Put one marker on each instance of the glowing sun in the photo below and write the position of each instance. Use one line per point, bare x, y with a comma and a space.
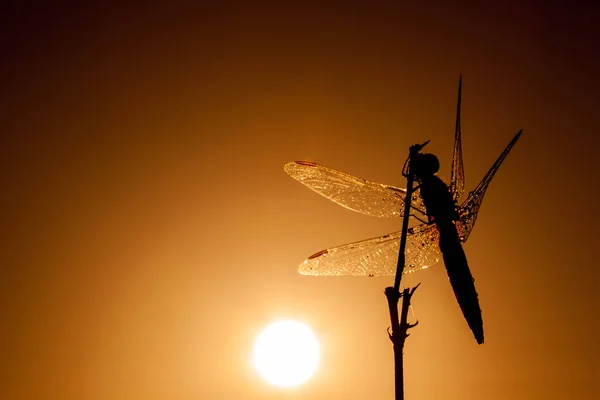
286, 353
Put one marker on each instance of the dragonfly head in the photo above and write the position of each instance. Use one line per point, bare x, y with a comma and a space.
425, 165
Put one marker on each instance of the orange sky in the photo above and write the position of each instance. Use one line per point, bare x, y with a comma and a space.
151, 231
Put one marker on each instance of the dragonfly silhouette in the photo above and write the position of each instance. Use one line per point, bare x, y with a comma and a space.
445, 224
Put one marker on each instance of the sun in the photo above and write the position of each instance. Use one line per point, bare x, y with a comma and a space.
286, 353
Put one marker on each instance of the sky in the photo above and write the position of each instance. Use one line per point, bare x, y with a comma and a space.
150, 231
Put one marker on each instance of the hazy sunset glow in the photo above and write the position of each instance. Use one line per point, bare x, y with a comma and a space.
151, 233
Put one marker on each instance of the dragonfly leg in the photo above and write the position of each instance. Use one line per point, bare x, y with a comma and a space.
422, 220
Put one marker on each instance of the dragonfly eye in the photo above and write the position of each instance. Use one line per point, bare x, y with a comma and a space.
425, 164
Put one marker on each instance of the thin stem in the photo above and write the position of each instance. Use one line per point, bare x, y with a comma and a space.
401, 326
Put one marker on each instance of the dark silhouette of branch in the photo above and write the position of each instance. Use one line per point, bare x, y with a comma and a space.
399, 331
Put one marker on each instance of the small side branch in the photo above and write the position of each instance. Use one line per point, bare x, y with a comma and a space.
399, 323
404, 324
399, 331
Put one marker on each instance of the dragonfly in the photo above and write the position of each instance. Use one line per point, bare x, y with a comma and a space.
378, 256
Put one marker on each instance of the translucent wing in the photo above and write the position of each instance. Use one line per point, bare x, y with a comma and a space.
469, 209
457, 173
356, 194
377, 256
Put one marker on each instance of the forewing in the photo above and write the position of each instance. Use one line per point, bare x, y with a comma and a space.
457, 173
356, 194
376, 256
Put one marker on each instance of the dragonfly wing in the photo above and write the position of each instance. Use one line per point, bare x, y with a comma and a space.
457, 173
376, 256
356, 194
469, 209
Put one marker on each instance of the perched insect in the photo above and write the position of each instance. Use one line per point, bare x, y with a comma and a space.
445, 224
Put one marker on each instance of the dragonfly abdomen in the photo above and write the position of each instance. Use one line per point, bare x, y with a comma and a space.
461, 280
